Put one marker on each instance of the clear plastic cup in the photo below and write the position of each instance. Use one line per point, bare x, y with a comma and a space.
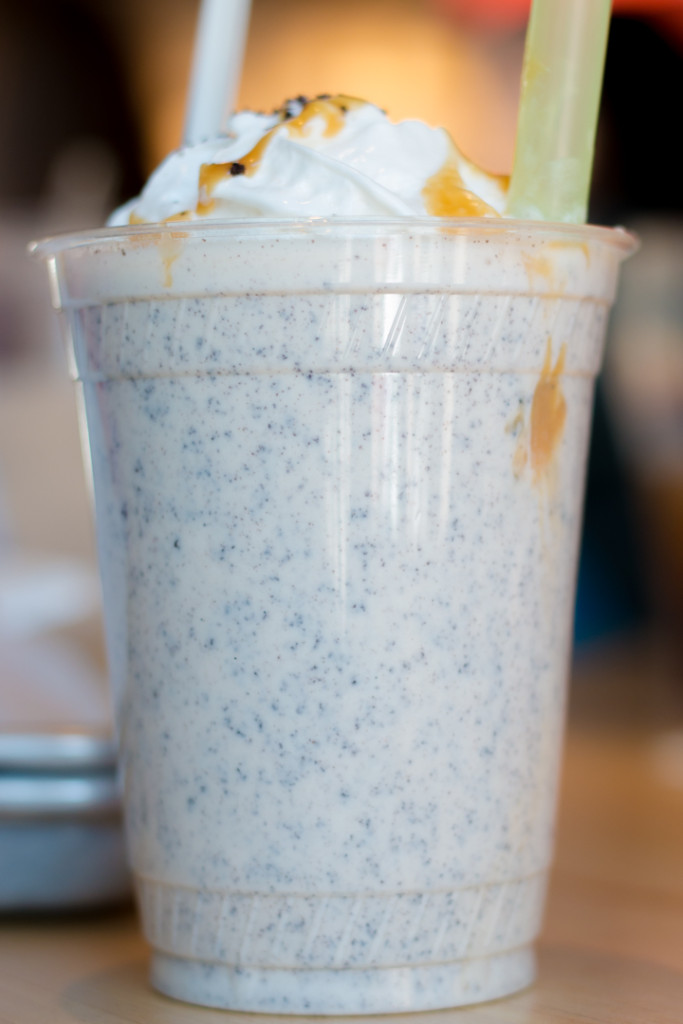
338, 472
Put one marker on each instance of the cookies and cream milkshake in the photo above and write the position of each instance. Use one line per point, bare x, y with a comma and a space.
338, 446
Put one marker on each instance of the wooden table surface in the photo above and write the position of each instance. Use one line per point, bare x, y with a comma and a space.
612, 949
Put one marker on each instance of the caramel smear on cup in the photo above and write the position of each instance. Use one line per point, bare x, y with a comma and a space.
545, 266
539, 266
548, 412
170, 252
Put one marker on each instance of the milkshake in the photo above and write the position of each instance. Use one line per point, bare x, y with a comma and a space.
338, 453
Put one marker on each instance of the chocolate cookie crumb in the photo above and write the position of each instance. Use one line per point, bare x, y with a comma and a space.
292, 108
236, 168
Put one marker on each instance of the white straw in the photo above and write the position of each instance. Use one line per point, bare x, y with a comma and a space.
216, 67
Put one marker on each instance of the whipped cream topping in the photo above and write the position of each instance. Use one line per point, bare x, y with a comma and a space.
327, 157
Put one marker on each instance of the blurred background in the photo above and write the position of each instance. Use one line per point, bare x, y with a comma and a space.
92, 97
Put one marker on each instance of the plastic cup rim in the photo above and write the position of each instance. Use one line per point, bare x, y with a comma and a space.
617, 237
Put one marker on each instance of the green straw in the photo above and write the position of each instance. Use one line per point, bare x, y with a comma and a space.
564, 58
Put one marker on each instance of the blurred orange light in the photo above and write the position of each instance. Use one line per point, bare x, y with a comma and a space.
511, 13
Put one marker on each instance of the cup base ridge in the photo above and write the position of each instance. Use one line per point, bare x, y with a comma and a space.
271, 933
349, 991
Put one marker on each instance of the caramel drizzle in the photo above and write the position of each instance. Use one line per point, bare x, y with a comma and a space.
332, 111
445, 194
